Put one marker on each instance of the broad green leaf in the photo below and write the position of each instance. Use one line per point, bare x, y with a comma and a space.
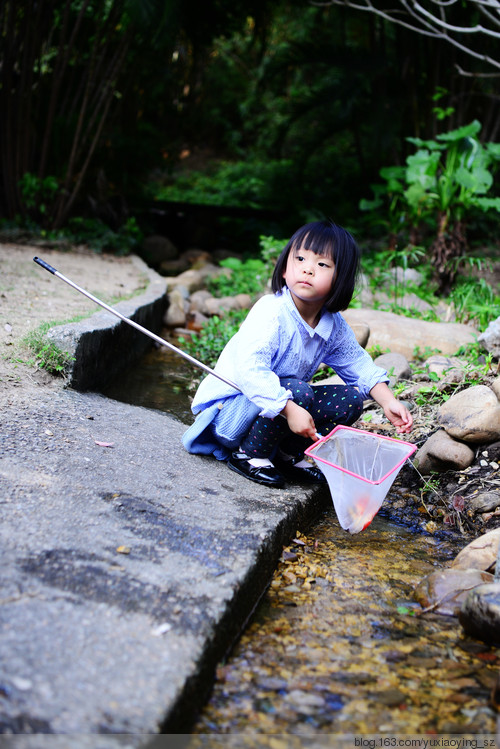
493, 150
422, 163
433, 145
488, 204
416, 195
462, 132
478, 180
392, 172
370, 205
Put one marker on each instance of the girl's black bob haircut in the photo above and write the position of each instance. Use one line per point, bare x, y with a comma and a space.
325, 238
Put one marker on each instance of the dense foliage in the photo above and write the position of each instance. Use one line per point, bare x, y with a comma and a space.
297, 106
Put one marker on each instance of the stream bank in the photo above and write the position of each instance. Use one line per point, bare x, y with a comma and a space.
129, 567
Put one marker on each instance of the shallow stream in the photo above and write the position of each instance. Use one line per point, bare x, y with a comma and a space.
337, 645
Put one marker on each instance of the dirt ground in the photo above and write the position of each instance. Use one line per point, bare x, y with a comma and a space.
30, 296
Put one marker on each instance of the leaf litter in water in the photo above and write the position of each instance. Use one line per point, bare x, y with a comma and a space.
338, 645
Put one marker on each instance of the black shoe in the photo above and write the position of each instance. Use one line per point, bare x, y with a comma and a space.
267, 475
300, 474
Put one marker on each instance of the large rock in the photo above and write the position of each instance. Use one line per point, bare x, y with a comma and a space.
156, 249
396, 366
442, 453
495, 386
484, 502
403, 334
444, 591
175, 315
490, 338
472, 415
448, 369
480, 613
480, 554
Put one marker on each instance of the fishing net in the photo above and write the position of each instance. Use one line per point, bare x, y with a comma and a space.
360, 468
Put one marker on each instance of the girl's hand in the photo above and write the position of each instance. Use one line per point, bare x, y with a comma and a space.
299, 420
399, 416
395, 411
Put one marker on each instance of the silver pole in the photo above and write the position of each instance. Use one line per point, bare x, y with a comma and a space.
136, 325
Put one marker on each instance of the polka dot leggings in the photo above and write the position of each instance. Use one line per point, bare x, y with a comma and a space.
329, 405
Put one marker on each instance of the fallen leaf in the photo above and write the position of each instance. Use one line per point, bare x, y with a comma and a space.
123, 549
104, 444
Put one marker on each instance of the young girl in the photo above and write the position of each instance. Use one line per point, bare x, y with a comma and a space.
263, 430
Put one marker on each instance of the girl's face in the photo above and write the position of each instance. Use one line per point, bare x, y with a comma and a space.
309, 276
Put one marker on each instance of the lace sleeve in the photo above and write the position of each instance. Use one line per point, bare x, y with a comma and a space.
351, 362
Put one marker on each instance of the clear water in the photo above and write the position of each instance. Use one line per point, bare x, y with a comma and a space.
161, 380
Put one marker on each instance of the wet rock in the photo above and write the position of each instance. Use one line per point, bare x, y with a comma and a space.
396, 365
480, 613
272, 684
389, 697
442, 453
480, 554
472, 415
445, 590
304, 701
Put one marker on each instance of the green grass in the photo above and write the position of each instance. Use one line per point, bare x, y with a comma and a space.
46, 354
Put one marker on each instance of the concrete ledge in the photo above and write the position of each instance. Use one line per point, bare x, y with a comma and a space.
127, 571
102, 345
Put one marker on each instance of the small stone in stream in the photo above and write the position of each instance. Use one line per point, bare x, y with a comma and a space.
389, 697
272, 684
394, 656
304, 701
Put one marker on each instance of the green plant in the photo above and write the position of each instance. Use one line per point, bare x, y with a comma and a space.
247, 277
474, 300
270, 249
47, 355
250, 184
38, 194
443, 183
208, 344
100, 237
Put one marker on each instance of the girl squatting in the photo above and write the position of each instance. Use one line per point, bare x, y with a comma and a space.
263, 430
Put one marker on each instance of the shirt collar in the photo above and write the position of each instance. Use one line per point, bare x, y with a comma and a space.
325, 325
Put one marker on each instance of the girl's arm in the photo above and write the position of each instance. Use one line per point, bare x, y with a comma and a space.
396, 412
299, 420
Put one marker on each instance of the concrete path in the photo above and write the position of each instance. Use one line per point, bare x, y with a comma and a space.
128, 567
